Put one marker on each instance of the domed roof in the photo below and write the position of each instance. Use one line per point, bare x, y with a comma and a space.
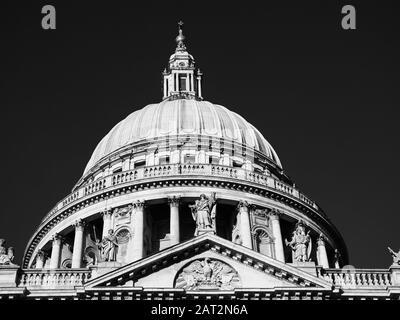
182, 117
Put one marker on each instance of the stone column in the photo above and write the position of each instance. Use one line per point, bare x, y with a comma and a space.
201, 157
78, 244
199, 83
138, 250
247, 165
187, 82
175, 156
245, 231
56, 252
174, 232
191, 82
165, 87
225, 160
322, 257
276, 232
106, 221
176, 85
40, 257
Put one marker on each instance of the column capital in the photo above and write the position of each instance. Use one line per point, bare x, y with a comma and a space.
252, 207
57, 238
106, 213
321, 240
174, 201
80, 224
243, 205
274, 214
40, 254
139, 204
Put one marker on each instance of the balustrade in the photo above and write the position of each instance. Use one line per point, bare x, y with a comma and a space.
355, 278
177, 170
95, 186
53, 278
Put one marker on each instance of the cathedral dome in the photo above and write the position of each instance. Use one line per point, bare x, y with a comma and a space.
140, 186
182, 117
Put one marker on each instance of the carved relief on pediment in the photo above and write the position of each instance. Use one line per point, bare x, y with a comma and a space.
207, 274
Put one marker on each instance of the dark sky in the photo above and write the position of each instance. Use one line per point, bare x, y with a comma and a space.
326, 99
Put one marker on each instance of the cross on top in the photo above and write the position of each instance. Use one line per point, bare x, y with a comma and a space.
180, 24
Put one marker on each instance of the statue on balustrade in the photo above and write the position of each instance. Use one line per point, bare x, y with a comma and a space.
203, 212
109, 246
6, 255
300, 244
336, 258
395, 256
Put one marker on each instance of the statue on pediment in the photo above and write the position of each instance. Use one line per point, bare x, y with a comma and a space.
203, 212
395, 256
300, 244
6, 255
206, 274
109, 246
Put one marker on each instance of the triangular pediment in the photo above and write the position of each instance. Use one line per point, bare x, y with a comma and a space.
255, 270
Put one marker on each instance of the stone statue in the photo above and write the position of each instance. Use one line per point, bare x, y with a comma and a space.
300, 244
108, 247
6, 255
203, 213
395, 255
206, 274
337, 256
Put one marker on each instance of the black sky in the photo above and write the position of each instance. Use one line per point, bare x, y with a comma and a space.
325, 98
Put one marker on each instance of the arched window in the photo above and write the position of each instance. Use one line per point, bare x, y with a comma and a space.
123, 237
263, 242
91, 256
66, 264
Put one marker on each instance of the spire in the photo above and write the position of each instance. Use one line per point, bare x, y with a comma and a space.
181, 79
179, 39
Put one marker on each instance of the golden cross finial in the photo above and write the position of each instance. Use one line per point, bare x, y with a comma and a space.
179, 39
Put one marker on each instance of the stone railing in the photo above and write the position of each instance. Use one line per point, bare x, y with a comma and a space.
70, 198
357, 278
172, 170
42, 278
95, 186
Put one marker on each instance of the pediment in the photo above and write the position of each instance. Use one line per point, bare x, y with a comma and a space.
234, 265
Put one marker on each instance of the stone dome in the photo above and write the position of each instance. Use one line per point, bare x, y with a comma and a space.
182, 117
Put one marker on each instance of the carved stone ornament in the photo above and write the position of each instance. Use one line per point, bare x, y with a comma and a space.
174, 201
395, 256
207, 274
124, 211
261, 213
6, 255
